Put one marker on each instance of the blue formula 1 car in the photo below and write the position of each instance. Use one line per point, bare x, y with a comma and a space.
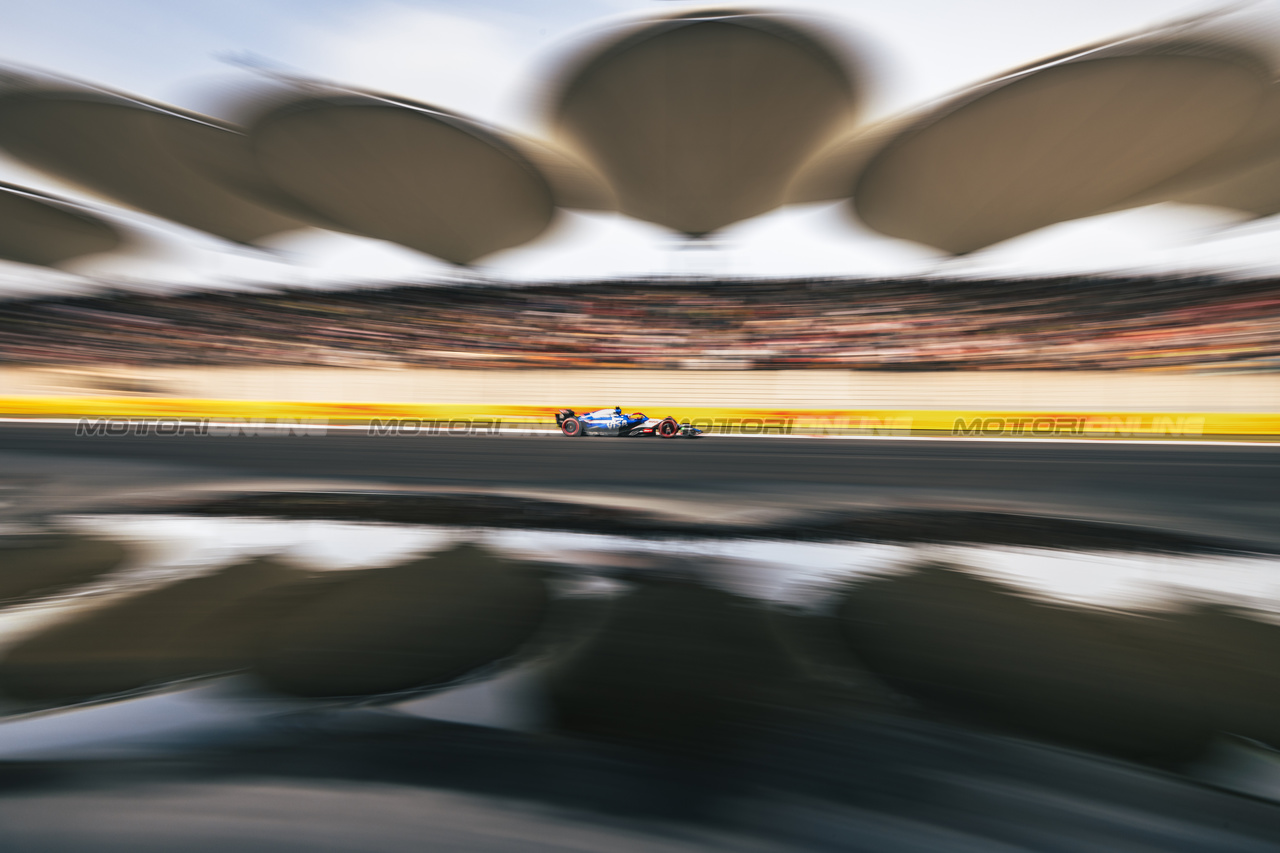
612, 422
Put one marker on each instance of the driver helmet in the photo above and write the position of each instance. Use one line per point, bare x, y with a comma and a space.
617, 410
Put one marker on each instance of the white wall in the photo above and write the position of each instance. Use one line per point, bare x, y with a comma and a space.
782, 389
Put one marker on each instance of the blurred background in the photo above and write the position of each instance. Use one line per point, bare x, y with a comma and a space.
978, 305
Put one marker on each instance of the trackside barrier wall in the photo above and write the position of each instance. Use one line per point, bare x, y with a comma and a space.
651, 390
413, 419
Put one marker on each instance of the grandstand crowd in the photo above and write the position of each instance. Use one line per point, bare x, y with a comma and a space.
1060, 323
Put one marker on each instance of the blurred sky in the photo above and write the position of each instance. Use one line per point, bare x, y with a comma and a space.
490, 58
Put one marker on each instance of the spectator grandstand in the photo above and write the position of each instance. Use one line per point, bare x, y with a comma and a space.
909, 324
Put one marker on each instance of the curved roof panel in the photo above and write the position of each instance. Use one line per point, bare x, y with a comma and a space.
1242, 174
701, 120
406, 173
135, 153
1253, 189
1055, 143
46, 231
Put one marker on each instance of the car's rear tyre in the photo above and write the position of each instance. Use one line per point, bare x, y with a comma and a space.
571, 427
668, 428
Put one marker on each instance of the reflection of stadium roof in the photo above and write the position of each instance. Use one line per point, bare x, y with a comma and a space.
700, 120
132, 152
1055, 143
46, 231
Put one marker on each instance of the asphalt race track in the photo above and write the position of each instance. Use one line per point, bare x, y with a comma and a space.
705, 464
1207, 472
1205, 485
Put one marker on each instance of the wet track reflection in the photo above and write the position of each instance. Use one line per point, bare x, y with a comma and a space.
511, 687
